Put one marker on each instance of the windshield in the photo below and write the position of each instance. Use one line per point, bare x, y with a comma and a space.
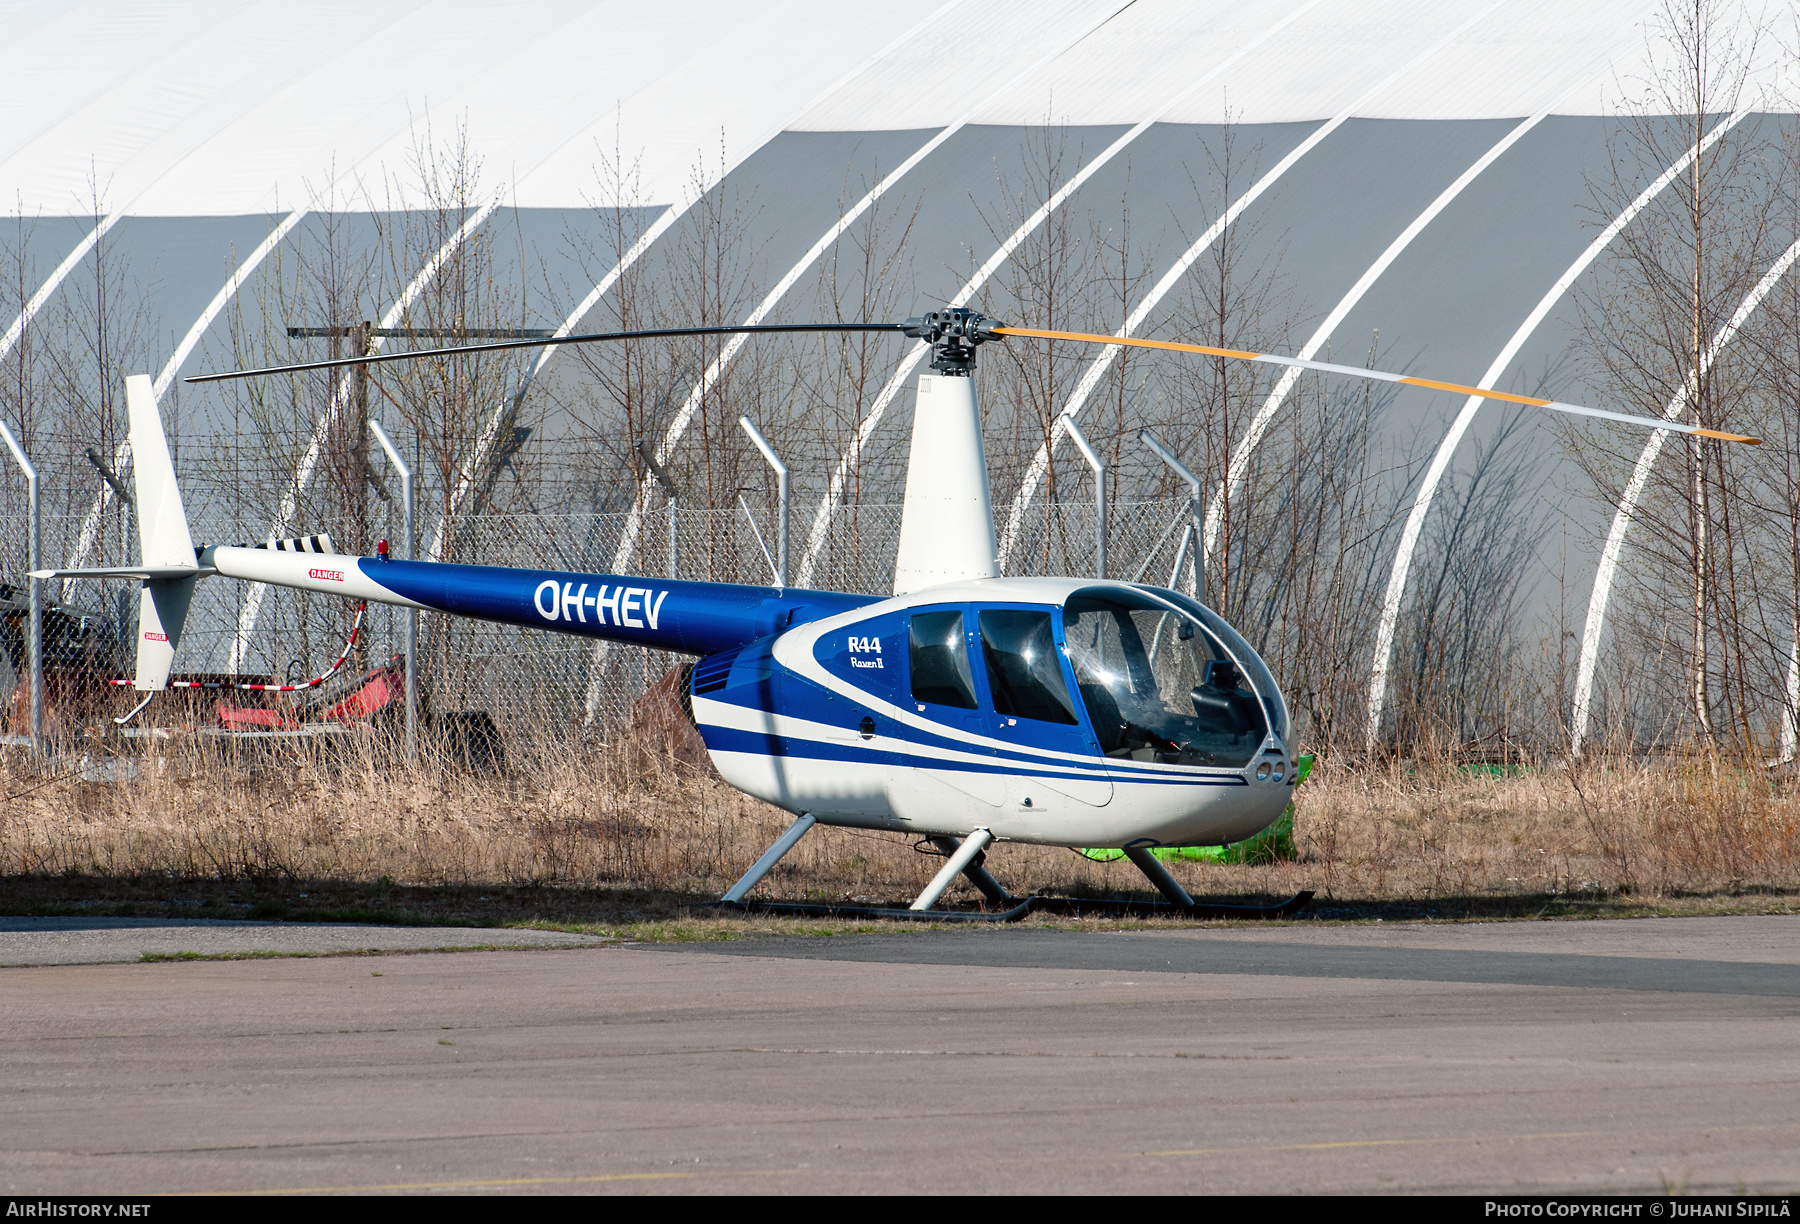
1158, 683
1260, 676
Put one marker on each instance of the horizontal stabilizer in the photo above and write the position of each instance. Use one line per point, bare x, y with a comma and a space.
126, 571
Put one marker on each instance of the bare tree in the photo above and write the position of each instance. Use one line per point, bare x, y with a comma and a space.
1231, 300
1050, 279
1674, 278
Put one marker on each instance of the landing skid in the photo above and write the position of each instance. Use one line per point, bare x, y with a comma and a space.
1075, 907
964, 857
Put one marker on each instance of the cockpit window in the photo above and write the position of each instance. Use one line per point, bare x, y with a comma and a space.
1158, 685
939, 659
1023, 669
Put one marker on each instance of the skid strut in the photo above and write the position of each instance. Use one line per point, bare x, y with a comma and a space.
1166, 884
977, 875
959, 862
771, 856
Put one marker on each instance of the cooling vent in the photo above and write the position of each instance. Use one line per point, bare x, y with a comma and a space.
304, 544
710, 675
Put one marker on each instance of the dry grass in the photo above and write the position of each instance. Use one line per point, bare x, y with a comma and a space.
1659, 830
625, 837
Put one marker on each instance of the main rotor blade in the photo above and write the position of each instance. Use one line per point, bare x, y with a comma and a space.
546, 342
1382, 376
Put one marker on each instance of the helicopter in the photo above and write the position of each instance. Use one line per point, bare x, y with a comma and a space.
966, 709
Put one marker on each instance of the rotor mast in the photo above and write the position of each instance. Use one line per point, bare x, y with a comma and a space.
947, 521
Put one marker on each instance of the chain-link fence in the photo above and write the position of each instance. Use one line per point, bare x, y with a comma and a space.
530, 683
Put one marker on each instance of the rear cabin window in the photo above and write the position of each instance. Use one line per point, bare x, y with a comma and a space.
939, 660
1024, 667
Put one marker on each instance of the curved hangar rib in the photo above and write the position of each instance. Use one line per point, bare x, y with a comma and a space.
666, 220
1098, 367
1440, 463
816, 538
1627, 512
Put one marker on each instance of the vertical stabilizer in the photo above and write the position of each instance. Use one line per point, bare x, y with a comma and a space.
163, 537
162, 522
947, 523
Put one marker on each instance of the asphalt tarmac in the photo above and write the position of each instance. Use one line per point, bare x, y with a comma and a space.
99, 941
1567, 1057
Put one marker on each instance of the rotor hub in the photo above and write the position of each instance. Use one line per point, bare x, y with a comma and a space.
953, 333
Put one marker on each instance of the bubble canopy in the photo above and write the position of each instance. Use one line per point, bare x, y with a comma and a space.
1166, 679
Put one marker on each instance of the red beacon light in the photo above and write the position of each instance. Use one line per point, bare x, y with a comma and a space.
381, 549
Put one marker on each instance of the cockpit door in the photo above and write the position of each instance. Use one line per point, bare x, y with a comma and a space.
942, 688
1030, 704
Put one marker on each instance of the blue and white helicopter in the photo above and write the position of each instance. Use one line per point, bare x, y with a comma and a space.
967, 708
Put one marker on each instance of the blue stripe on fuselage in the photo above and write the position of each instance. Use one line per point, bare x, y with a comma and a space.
760, 743
757, 694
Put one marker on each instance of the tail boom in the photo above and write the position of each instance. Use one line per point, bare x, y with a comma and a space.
328, 574
696, 618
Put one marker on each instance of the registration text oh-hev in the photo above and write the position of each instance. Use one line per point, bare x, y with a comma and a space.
625, 606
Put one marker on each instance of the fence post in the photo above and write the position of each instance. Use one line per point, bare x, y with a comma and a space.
1095, 462
674, 498
35, 641
781, 492
126, 502
412, 614
1193, 483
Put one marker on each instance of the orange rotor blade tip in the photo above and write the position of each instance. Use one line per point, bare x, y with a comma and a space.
1729, 437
